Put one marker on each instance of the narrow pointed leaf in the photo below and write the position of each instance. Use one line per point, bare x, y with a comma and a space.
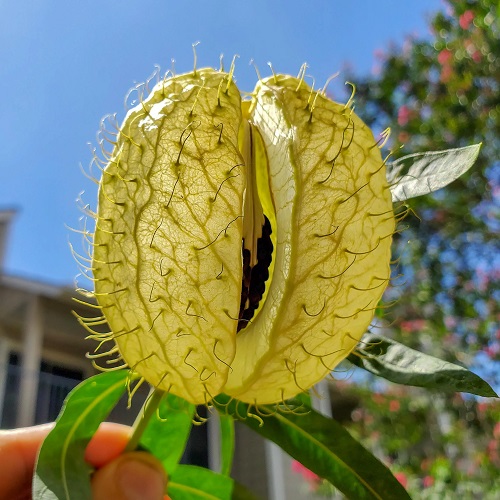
168, 431
422, 173
402, 365
323, 446
189, 482
226, 443
61, 471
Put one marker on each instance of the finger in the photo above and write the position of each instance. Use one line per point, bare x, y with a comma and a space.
18, 451
108, 442
132, 476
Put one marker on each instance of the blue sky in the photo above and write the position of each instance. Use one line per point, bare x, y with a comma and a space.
66, 64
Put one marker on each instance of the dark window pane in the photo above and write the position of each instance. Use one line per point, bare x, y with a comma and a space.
54, 385
9, 413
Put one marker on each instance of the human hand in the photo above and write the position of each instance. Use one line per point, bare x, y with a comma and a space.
128, 476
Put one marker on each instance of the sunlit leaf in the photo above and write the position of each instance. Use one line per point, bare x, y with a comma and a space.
196, 483
168, 431
400, 364
323, 446
61, 471
422, 173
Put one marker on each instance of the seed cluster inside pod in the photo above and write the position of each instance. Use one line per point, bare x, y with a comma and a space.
240, 247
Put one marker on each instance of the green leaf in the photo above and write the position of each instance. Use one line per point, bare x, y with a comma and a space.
241, 492
190, 482
61, 471
323, 446
422, 173
226, 443
168, 431
303, 399
400, 364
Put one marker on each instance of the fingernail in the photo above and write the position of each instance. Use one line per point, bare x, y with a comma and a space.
140, 480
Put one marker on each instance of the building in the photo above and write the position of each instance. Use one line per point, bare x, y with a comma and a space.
42, 357
42, 351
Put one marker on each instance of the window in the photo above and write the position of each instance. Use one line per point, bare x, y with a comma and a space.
54, 385
12, 379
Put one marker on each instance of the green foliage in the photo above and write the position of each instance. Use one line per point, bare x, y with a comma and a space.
423, 173
192, 483
393, 361
432, 442
227, 443
168, 430
322, 445
61, 471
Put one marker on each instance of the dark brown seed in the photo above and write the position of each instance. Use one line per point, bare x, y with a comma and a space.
254, 278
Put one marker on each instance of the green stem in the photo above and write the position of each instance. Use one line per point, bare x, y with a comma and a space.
141, 422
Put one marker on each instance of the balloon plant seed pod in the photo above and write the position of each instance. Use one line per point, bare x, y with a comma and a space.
240, 246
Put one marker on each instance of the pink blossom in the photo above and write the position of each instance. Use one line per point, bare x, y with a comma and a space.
445, 57
492, 351
476, 56
403, 115
450, 322
472, 50
307, 474
465, 19
446, 74
472, 469
376, 69
482, 407
440, 216
394, 405
357, 415
428, 481
403, 137
496, 430
415, 325
401, 477
469, 286
492, 451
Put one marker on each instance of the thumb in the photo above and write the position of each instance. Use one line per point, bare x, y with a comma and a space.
132, 476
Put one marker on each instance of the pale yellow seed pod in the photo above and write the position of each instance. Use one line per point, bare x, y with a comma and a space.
167, 254
334, 225
171, 218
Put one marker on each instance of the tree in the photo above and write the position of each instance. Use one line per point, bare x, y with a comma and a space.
436, 95
439, 94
